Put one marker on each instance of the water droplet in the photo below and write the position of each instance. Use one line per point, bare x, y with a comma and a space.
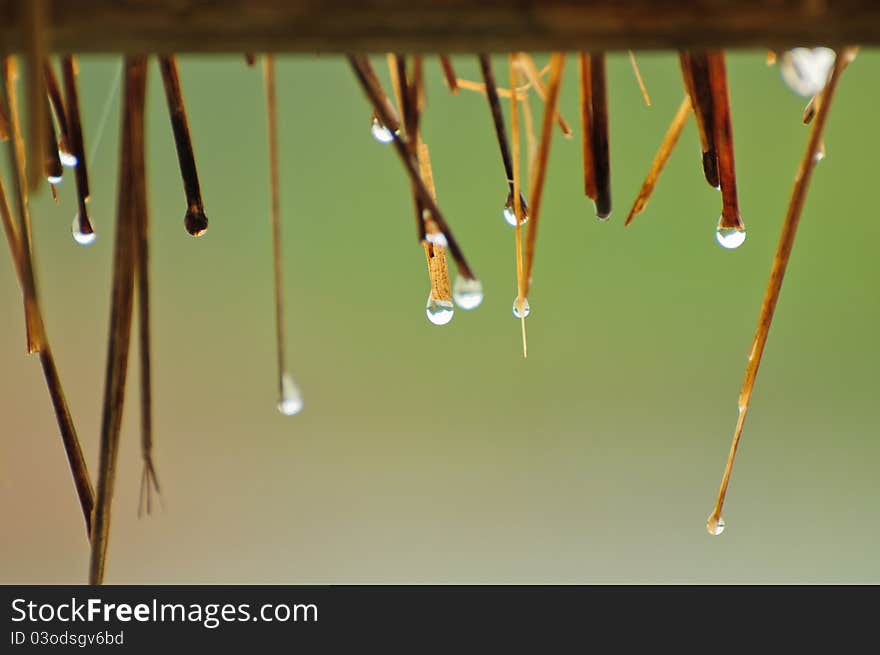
381, 133
67, 159
715, 525
509, 212
805, 70
439, 312
291, 400
437, 238
467, 292
526, 309
83, 237
195, 221
730, 237
53, 179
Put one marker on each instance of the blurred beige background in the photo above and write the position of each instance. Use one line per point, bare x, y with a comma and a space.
436, 454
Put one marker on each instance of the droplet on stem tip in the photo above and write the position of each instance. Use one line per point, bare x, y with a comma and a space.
439, 312
290, 401
84, 235
730, 237
381, 133
195, 221
467, 292
715, 525
526, 310
509, 211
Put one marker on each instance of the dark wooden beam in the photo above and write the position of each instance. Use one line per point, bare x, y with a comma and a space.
336, 26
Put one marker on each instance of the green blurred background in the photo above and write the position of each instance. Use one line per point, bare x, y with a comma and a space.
437, 454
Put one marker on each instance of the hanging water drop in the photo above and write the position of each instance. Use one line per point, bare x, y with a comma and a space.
526, 310
290, 401
730, 237
195, 221
68, 159
439, 312
83, 237
805, 70
54, 179
437, 239
381, 133
509, 211
467, 292
715, 525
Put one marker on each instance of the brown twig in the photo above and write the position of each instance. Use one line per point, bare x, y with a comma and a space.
540, 174
289, 396
500, 130
449, 73
715, 523
23, 258
730, 218
195, 220
130, 193
518, 204
35, 15
527, 65
33, 323
586, 100
84, 231
401, 146
638, 74
695, 74
599, 141
663, 153
141, 238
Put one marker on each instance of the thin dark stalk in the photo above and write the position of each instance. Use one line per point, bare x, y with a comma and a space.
34, 16
663, 153
695, 73
52, 168
130, 194
195, 221
586, 98
275, 193
141, 226
53, 89
33, 322
449, 73
723, 134
407, 103
77, 144
500, 130
22, 254
557, 63
393, 120
715, 523
401, 145
601, 155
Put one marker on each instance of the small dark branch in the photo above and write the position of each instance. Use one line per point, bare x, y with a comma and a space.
695, 74
374, 95
195, 221
76, 141
601, 154
449, 73
130, 192
730, 217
